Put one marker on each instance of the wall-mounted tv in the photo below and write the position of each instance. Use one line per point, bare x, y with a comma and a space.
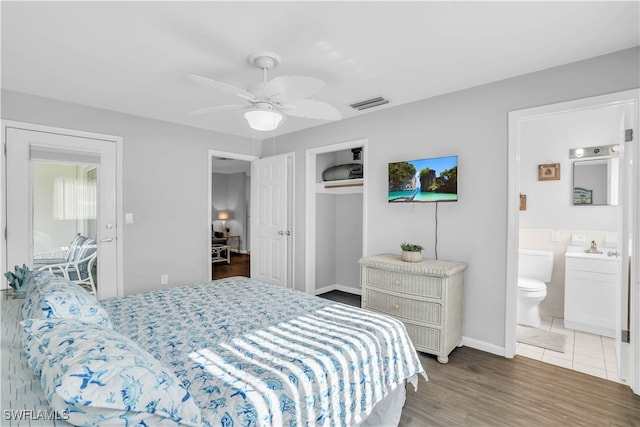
424, 180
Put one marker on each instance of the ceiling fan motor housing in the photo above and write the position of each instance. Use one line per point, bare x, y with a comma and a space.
265, 60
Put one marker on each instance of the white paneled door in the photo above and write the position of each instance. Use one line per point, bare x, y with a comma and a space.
269, 220
64, 184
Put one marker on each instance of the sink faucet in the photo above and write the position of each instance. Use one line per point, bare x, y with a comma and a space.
593, 249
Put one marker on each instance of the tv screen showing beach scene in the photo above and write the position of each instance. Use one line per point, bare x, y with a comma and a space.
424, 180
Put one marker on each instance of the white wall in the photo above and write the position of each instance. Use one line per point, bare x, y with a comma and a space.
472, 124
548, 140
165, 175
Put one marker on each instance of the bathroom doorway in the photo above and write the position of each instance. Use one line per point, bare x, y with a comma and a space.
542, 215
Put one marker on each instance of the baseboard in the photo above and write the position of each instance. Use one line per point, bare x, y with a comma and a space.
337, 287
483, 346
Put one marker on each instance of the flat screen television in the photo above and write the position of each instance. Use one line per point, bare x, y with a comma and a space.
424, 180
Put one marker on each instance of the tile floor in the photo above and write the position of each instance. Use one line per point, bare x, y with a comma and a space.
592, 354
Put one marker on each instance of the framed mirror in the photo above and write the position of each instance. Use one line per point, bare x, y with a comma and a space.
595, 182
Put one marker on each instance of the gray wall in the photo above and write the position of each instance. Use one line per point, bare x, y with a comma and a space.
165, 174
473, 124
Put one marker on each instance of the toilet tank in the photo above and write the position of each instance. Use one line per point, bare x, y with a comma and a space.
535, 264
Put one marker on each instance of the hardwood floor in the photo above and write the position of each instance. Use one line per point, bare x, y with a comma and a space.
240, 266
481, 389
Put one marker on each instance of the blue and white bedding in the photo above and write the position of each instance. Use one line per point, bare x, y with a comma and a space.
252, 354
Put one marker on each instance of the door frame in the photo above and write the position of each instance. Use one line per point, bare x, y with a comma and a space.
310, 208
228, 155
119, 187
515, 119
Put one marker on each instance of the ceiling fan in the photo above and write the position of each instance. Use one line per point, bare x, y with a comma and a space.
269, 100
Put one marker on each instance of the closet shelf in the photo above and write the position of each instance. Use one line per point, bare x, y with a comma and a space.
343, 186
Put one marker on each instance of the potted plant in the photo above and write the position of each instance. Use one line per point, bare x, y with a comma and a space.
18, 280
411, 252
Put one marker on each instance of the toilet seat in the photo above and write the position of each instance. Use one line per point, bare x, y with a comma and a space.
531, 285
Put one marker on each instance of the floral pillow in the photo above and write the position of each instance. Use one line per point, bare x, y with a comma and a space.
99, 377
59, 298
32, 299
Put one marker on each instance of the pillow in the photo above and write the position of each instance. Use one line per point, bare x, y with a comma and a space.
32, 296
99, 377
59, 298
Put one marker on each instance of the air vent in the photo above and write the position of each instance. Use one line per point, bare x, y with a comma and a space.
369, 103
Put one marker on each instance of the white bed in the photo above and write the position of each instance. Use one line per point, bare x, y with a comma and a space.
249, 353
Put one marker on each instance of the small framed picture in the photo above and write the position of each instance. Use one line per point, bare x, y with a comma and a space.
549, 172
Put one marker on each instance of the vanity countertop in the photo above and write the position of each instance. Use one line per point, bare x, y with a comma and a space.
579, 252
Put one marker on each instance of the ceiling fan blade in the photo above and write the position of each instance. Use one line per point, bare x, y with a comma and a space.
292, 88
218, 108
312, 109
222, 86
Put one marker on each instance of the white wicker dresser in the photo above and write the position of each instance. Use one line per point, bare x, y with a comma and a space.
426, 296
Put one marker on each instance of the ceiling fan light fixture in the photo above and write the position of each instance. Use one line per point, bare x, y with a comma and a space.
264, 119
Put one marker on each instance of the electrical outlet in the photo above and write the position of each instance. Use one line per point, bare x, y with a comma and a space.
555, 236
164, 279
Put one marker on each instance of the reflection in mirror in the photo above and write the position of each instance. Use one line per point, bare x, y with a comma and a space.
595, 182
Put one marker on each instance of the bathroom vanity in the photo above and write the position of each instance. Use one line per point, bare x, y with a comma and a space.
426, 296
591, 282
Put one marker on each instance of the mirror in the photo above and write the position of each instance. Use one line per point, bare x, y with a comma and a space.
595, 182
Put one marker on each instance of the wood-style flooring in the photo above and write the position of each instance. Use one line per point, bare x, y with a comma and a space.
481, 389
239, 266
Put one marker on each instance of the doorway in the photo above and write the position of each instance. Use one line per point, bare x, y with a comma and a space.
64, 189
229, 214
527, 127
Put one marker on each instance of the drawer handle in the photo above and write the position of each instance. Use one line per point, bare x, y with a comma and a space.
396, 307
397, 282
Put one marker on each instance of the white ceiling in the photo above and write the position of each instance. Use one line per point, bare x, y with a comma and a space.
134, 57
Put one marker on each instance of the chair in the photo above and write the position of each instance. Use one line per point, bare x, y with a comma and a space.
217, 237
74, 263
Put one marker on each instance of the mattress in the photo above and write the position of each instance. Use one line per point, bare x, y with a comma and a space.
254, 354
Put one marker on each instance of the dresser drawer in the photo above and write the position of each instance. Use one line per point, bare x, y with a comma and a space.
420, 311
413, 284
424, 338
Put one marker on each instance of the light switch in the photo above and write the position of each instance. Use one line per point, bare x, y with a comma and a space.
128, 218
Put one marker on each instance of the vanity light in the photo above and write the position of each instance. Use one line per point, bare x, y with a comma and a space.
598, 151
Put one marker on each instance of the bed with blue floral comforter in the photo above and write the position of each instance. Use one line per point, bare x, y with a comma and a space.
253, 354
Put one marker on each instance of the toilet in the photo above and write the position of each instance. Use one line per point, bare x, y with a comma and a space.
534, 272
